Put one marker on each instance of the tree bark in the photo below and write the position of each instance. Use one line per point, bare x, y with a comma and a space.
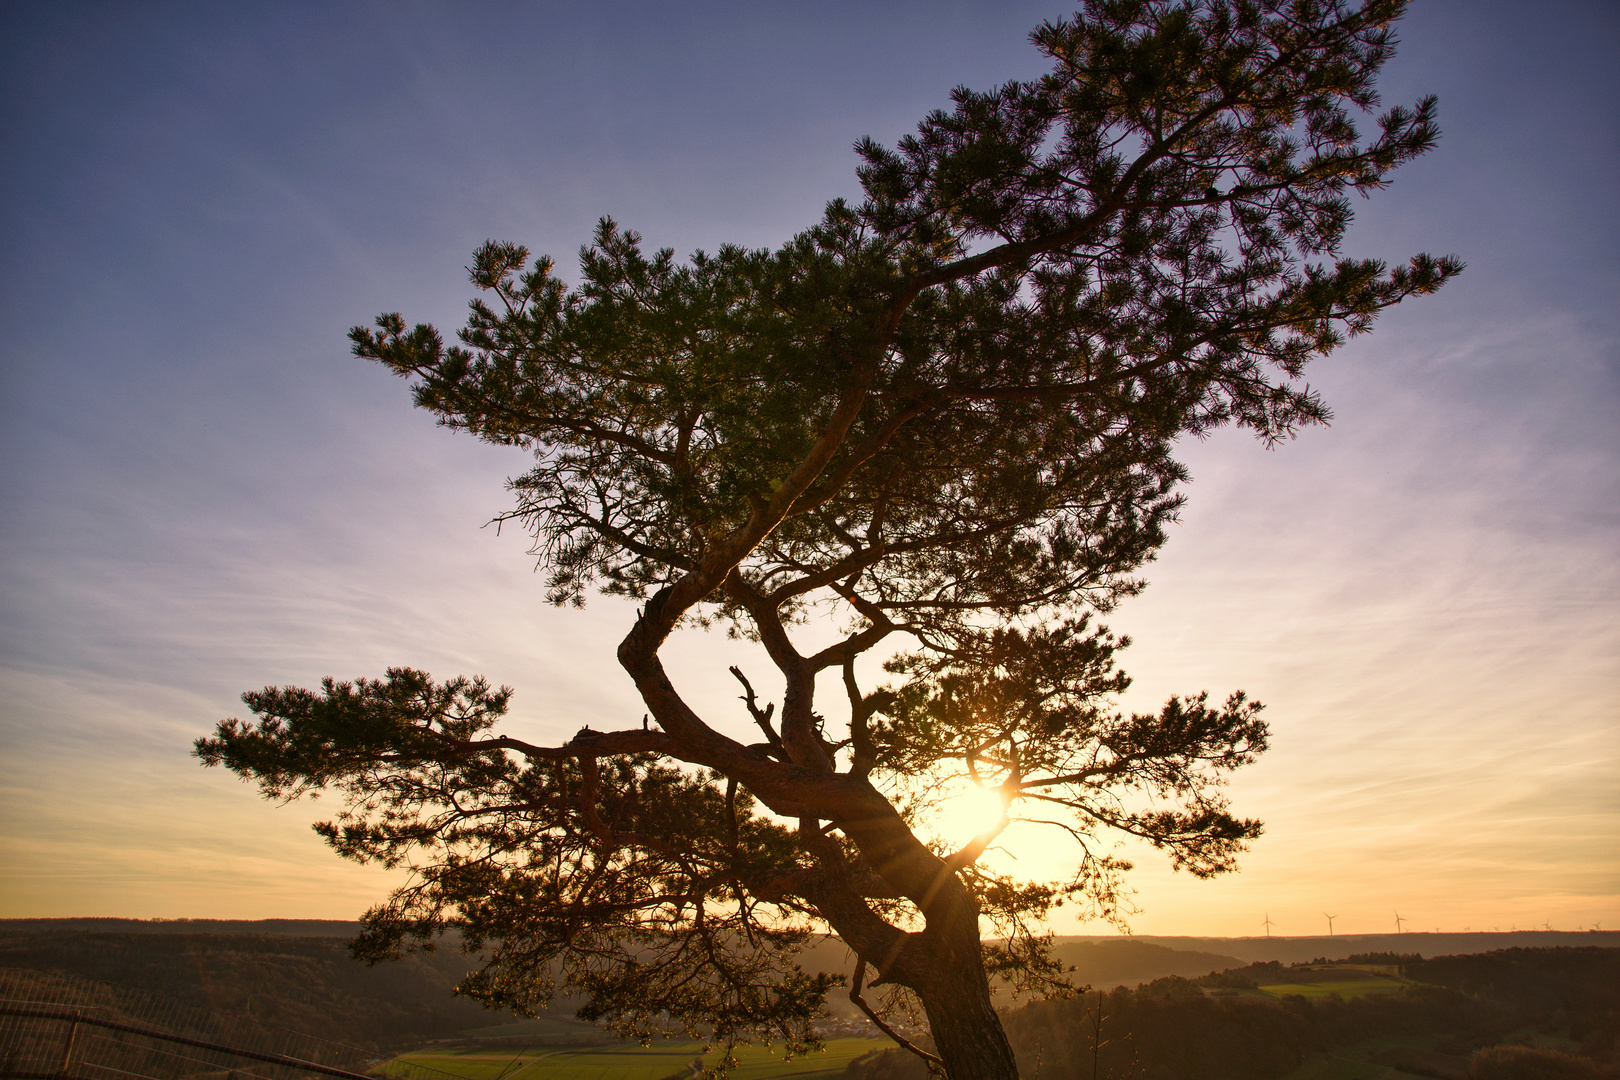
968, 1035
943, 965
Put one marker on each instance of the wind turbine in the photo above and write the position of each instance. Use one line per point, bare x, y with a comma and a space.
1330, 919
1398, 921
1268, 924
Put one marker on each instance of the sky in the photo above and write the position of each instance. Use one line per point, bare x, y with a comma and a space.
202, 493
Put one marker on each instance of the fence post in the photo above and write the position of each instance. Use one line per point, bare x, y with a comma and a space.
67, 1050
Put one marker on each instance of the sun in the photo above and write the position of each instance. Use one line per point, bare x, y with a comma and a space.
966, 814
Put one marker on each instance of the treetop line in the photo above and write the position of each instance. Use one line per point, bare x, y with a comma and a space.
944, 416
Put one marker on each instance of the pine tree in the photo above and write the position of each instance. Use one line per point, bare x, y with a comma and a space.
944, 417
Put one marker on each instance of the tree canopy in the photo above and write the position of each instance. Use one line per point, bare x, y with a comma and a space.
942, 420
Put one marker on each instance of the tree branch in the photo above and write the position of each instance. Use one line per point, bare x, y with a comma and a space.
856, 981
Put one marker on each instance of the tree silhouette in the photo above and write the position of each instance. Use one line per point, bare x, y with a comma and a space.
943, 417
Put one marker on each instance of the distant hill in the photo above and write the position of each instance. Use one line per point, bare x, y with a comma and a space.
1109, 962
1298, 950
1530, 1013
305, 984
297, 973
1249, 950
276, 927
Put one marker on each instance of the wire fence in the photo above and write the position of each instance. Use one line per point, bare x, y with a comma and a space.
62, 1027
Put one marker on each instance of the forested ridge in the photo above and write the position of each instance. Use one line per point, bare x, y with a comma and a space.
1246, 1024
299, 974
1183, 1014
299, 983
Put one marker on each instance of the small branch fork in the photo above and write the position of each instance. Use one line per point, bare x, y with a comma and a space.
762, 717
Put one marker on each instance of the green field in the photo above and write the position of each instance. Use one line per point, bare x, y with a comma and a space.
1345, 988
630, 1062
541, 1029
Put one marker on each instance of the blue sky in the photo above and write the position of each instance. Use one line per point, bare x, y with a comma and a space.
201, 492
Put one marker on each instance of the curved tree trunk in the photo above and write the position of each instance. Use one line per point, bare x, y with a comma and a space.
946, 966
968, 1035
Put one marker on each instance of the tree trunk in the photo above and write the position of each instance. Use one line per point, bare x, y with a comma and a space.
943, 964
967, 1032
